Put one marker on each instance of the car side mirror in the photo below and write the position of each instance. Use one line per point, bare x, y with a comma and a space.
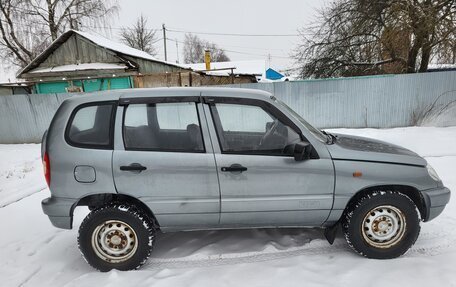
302, 151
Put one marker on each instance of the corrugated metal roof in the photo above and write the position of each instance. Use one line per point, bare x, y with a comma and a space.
117, 48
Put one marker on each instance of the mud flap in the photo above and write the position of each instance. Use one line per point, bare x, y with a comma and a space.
331, 232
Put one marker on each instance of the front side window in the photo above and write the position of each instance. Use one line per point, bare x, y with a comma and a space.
248, 129
90, 126
163, 127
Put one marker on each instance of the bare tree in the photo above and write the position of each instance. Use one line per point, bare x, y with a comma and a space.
446, 53
194, 48
362, 37
139, 36
28, 26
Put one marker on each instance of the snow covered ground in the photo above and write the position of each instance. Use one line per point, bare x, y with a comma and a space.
34, 253
20, 172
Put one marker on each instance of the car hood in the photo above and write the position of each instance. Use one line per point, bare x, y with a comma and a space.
347, 147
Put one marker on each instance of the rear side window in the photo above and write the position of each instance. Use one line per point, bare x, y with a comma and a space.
176, 116
163, 127
91, 126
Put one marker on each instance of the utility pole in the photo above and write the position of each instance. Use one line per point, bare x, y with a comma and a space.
164, 41
177, 51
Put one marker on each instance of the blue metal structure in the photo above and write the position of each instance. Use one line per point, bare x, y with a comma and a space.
272, 74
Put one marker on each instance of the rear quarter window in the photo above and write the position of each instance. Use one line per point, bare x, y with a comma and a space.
91, 126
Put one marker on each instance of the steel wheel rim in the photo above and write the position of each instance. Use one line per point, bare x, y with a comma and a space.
383, 226
114, 241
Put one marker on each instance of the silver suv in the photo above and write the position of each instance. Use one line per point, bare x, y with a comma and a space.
174, 159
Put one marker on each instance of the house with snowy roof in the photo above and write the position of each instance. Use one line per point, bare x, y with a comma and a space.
82, 62
240, 68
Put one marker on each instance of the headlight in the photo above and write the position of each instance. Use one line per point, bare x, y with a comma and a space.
432, 173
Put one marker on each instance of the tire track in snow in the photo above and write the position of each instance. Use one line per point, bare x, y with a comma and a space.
248, 257
429, 244
233, 259
220, 260
19, 199
30, 276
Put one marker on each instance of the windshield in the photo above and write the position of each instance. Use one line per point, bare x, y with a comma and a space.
316, 132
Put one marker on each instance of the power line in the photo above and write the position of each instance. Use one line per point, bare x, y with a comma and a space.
254, 48
119, 28
242, 47
205, 33
233, 34
156, 41
263, 55
176, 30
244, 53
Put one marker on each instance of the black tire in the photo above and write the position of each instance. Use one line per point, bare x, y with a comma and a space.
357, 221
142, 231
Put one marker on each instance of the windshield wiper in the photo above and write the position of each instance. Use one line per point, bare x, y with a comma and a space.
330, 137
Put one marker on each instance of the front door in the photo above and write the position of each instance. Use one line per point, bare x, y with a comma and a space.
261, 184
166, 163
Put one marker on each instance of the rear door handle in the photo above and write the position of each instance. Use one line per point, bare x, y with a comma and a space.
133, 167
234, 168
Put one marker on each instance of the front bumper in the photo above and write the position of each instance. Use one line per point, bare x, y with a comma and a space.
59, 211
435, 200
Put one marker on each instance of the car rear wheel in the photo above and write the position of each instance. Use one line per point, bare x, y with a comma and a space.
116, 236
382, 224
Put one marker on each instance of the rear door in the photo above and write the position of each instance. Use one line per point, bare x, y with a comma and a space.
261, 183
165, 159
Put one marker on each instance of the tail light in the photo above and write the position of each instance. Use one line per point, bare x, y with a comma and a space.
47, 168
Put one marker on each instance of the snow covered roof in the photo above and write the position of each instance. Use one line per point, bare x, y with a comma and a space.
254, 67
108, 44
81, 67
122, 48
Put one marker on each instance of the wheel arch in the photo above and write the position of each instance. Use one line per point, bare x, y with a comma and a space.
97, 200
410, 191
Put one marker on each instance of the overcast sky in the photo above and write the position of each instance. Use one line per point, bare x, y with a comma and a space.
232, 17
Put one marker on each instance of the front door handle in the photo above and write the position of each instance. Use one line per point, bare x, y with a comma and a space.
234, 168
133, 167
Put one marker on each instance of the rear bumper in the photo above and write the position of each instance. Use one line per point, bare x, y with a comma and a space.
435, 200
59, 211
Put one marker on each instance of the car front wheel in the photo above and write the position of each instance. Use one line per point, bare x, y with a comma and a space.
382, 224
